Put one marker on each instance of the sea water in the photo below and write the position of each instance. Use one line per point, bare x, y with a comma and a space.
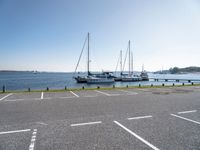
42, 80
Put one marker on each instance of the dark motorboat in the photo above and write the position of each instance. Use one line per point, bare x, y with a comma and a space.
144, 76
81, 79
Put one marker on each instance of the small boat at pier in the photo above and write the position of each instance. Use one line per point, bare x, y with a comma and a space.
81, 79
95, 80
144, 75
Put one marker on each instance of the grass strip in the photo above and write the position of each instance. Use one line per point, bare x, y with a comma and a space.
100, 88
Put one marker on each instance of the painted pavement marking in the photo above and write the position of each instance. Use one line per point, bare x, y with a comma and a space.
129, 92
190, 120
42, 123
74, 94
140, 117
6, 96
104, 93
42, 95
88, 123
13, 100
185, 112
137, 136
33, 139
15, 131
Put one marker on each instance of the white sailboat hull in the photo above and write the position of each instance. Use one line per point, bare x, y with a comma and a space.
100, 80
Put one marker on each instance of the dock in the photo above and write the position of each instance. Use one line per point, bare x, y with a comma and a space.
175, 80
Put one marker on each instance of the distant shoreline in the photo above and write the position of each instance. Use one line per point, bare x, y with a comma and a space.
157, 72
16, 71
174, 70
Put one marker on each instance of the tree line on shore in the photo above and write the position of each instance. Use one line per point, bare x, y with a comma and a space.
176, 70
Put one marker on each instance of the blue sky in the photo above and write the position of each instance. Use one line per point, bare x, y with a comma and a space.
47, 35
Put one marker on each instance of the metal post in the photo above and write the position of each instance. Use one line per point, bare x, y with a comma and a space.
4, 89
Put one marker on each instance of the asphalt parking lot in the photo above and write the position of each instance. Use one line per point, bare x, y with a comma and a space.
120, 119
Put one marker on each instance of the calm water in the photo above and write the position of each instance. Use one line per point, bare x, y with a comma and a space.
25, 80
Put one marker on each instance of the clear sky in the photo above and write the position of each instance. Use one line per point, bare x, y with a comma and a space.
48, 35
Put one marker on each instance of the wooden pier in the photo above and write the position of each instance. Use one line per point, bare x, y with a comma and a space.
176, 80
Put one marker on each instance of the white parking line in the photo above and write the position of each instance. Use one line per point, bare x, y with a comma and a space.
16, 131
13, 100
33, 139
145, 90
186, 119
6, 96
42, 123
137, 136
88, 123
36, 99
129, 92
65, 97
185, 112
74, 94
140, 117
90, 96
42, 95
104, 93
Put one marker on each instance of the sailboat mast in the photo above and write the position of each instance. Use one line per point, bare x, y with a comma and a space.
121, 62
88, 61
131, 62
129, 56
143, 68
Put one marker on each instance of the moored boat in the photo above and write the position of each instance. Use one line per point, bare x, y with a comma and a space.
81, 79
130, 77
96, 80
104, 77
144, 76
134, 78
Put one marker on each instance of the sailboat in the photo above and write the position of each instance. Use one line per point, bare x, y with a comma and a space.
117, 77
83, 79
130, 77
90, 78
144, 75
